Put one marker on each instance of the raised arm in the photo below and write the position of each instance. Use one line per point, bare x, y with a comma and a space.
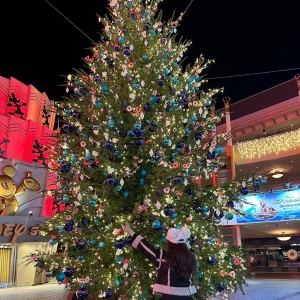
138, 242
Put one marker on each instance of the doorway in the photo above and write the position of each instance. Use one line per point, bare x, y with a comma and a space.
7, 265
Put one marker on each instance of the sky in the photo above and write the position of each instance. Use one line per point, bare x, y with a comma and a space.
38, 46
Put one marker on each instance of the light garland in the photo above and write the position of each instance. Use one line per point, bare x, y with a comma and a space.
269, 145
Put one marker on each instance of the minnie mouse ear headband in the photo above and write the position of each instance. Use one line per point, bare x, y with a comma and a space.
178, 236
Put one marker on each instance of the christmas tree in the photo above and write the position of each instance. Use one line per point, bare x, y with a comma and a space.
138, 133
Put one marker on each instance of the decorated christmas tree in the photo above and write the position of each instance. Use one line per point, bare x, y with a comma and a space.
138, 132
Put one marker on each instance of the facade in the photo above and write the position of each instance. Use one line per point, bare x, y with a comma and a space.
26, 123
265, 139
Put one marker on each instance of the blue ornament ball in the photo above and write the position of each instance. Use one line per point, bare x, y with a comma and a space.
104, 88
137, 125
198, 209
140, 142
127, 52
153, 32
80, 244
126, 194
229, 216
244, 191
156, 224
108, 146
147, 107
89, 156
142, 181
108, 294
91, 242
218, 214
65, 153
53, 242
82, 293
69, 271
111, 124
74, 158
121, 40
212, 261
129, 241
211, 155
119, 259
66, 199
230, 204
147, 26
219, 287
205, 209
120, 244
143, 172
92, 202
169, 210
111, 181
60, 277
69, 225
101, 245
98, 104
178, 179
48, 273
144, 57
60, 228
219, 150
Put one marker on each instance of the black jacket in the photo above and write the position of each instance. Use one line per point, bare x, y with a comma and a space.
168, 281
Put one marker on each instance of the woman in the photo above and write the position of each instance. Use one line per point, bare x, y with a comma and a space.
174, 266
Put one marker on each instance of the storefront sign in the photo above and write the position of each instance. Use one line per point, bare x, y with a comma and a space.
21, 229
16, 230
278, 206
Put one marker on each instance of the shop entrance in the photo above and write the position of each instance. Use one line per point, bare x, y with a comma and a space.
7, 265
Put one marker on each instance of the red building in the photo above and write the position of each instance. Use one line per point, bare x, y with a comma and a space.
26, 127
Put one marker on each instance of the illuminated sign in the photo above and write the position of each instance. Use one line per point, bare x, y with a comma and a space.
272, 207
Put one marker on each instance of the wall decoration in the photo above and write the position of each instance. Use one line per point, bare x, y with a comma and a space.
46, 116
292, 255
15, 106
8, 190
39, 151
26, 122
12, 232
2, 151
276, 206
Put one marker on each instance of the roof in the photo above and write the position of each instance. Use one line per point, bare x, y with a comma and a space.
275, 95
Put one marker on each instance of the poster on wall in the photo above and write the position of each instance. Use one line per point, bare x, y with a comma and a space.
278, 206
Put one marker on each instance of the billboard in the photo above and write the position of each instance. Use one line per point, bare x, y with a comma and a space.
272, 207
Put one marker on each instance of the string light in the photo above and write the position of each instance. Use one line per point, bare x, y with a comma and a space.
269, 145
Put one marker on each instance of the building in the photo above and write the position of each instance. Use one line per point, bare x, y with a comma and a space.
265, 137
26, 123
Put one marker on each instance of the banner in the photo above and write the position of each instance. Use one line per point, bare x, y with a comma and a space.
278, 206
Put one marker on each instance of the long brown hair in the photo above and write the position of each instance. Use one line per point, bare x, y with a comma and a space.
181, 259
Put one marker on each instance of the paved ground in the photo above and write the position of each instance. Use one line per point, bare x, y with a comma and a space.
260, 288
39, 292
